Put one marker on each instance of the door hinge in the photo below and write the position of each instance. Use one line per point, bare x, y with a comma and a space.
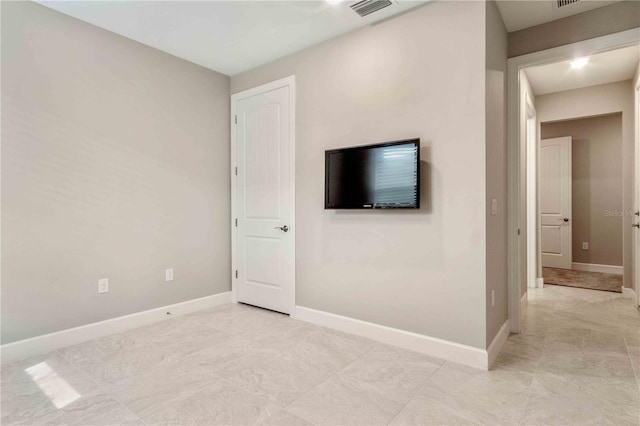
518, 231
235, 118
236, 273
236, 223
236, 171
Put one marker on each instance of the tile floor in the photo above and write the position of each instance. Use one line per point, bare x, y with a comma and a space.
576, 362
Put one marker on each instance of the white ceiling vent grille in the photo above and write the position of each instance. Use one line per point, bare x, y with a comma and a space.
563, 3
367, 7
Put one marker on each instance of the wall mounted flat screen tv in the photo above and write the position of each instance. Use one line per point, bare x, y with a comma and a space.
381, 176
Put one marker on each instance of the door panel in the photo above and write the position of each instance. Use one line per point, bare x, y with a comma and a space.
555, 202
262, 254
261, 165
552, 239
264, 200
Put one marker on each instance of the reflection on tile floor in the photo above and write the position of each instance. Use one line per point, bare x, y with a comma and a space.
576, 362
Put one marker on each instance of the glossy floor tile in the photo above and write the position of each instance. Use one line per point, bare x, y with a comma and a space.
576, 362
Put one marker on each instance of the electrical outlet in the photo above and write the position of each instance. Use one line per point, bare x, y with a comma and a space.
585, 246
168, 275
103, 286
493, 298
494, 207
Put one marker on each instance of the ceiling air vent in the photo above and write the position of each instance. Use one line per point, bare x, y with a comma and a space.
562, 3
367, 7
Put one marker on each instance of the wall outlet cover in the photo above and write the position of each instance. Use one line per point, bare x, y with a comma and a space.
168, 275
585, 246
103, 285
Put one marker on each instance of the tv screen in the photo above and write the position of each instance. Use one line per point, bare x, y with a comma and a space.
381, 176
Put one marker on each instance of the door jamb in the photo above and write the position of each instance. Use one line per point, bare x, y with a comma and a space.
290, 82
515, 65
532, 194
636, 238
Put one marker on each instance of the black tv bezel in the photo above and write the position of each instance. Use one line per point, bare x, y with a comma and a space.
414, 141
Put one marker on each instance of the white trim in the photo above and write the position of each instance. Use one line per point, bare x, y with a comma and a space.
635, 251
594, 267
451, 351
628, 293
73, 336
497, 343
531, 145
283, 82
515, 65
540, 283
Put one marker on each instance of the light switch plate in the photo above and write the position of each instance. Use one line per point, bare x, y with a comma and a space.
168, 275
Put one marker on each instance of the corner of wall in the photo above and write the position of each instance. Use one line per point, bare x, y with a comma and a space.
496, 291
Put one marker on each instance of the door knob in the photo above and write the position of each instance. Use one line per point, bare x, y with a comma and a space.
282, 228
636, 225
566, 219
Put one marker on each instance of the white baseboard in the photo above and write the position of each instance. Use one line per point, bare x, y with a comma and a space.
497, 343
456, 352
539, 282
72, 336
594, 267
628, 293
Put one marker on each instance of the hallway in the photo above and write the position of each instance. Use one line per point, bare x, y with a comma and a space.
584, 349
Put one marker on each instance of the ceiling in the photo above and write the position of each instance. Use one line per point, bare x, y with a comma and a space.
607, 67
519, 14
233, 36
226, 36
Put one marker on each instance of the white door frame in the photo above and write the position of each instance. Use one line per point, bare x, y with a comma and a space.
235, 98
532, 199
515, 65
636, 237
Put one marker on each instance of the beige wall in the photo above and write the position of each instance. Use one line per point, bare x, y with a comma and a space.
611, 19
422, 271
596, 185
496, 173
525, 91
600, 100
114, 165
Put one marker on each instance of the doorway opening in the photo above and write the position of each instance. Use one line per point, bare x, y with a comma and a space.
555, 211
589, 252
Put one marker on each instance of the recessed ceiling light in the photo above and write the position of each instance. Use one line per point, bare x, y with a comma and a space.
334, 2
579, 63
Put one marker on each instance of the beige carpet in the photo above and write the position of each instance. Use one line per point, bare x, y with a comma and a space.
583, 279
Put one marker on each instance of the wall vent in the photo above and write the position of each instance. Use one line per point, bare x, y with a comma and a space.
563, 3
367, 7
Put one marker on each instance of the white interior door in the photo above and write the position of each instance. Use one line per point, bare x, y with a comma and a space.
264, 196
555, 202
